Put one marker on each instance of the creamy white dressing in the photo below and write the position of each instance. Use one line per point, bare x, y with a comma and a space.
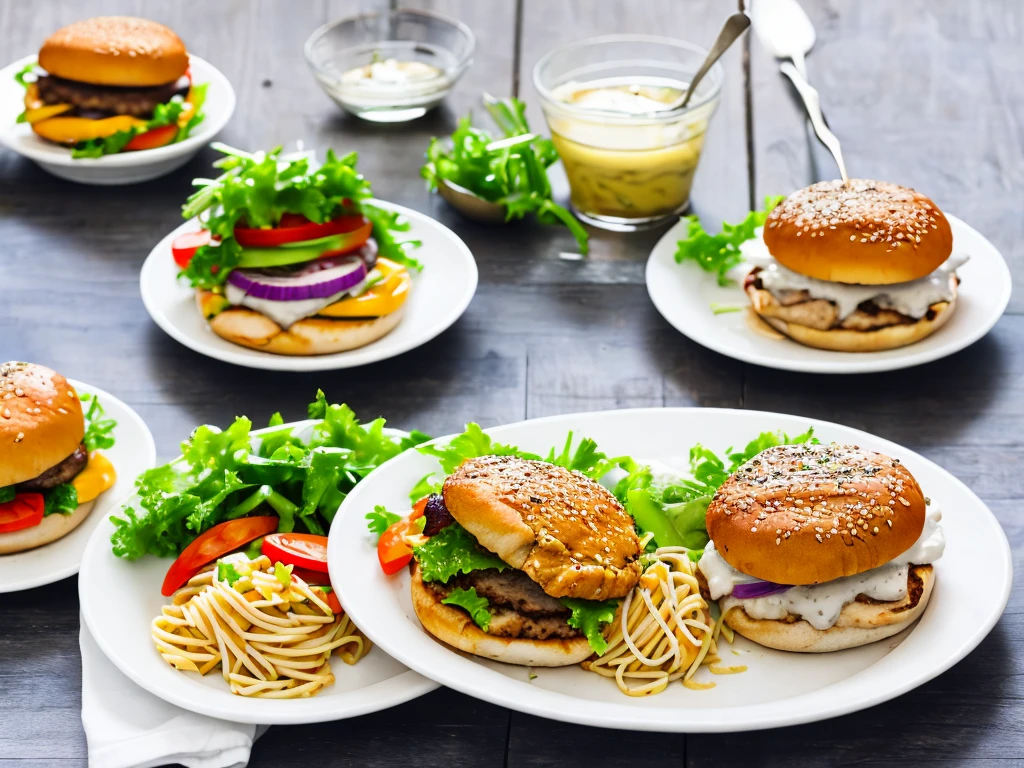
391, 72
287, 313
911, 298
821, 604
634, 99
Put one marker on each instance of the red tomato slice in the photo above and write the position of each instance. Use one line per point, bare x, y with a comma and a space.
184, 247
333, 601
23, 511
158, 137
392, 551
292, 229
312, 578
303, 550
216, 542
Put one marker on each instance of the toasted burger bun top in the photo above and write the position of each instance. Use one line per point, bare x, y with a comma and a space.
870, 232
115, 50
41, 421
565, 531
806, 514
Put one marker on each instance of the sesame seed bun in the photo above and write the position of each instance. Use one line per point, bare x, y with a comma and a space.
848, 339
52, 527
565, 531
807, 514
115, 50
869, 232
310, 336
859, 622
41, 421
455, 627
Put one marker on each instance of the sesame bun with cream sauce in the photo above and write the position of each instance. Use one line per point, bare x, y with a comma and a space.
808, 514
869, 232
115, 51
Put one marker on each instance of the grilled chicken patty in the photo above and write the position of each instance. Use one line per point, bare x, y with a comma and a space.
520, 608
59, 474
108, 99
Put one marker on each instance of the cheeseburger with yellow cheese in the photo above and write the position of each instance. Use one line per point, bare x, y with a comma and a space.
292, 257
50, 469
111, 84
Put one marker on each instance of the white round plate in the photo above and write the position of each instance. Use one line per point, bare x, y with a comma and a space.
125, 167
684, 293
119, 600
778, 688
440, 294
133, 452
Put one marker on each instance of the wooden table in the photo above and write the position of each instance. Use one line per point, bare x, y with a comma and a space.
926, 93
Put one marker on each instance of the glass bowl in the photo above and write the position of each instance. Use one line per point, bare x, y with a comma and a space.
392, 66
630, 162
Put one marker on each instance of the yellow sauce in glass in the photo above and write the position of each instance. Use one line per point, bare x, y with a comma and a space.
634, 164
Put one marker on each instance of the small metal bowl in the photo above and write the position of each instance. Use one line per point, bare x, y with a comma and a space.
470, 205
404, 35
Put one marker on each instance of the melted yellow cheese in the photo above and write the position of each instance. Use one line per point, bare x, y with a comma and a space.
382, 299
71, 130
98, 476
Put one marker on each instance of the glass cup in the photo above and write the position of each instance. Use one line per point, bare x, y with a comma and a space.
629, 160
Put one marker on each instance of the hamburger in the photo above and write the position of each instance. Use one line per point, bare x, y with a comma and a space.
293, 258
820, 547
856, 268
111, 84
525, 562
49, 479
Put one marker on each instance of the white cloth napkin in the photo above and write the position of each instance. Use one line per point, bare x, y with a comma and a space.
127, 727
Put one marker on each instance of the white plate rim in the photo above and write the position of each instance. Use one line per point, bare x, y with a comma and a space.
558, 706
199, 138
102, 509
371, 353
387, 693
860, 362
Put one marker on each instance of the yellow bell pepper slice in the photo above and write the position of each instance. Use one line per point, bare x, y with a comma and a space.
71, 130
382, 299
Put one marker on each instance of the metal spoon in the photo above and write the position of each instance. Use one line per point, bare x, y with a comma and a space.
734, 26
784, 29
470, 205
812, 103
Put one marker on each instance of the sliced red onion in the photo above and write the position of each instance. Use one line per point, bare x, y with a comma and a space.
757, 589
318, 279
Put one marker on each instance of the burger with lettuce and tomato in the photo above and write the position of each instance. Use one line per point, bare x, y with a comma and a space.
111, 84
291, 257
51, 468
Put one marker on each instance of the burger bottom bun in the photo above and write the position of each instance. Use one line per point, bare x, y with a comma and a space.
311, 336
858, 624
846, 340
53, 527
453, 626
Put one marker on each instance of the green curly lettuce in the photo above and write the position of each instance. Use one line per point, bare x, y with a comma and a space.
452, 551
591, 617
478, 608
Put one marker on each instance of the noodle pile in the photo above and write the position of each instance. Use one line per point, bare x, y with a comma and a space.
666, 631
270, 639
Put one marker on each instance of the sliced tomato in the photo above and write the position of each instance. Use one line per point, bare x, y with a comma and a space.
333, 601
303, 550
158, 137
294, 228
23, 511
393, 552
214, 543
313, 578
184, 247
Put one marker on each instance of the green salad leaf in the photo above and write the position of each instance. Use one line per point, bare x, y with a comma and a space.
60, 500
99, 428
452, 551
227, 572
27, 74
510, 171
164, 114
7, 493
674, 509
256, 189
591, 617
379, 520
478, 608
720, 253
301, 477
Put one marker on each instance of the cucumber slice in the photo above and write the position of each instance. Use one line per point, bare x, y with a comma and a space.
291, 253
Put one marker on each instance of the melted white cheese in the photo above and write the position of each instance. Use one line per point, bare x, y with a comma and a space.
821, 604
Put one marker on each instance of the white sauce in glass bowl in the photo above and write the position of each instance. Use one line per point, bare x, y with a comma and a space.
821, 604
391, 72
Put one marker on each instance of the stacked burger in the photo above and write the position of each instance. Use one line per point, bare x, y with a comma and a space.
856, 267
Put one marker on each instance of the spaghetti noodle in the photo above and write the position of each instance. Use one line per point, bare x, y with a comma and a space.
665, 631
271, 634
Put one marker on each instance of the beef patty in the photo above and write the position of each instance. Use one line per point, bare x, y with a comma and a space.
59, 474
108, 99
519, 607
